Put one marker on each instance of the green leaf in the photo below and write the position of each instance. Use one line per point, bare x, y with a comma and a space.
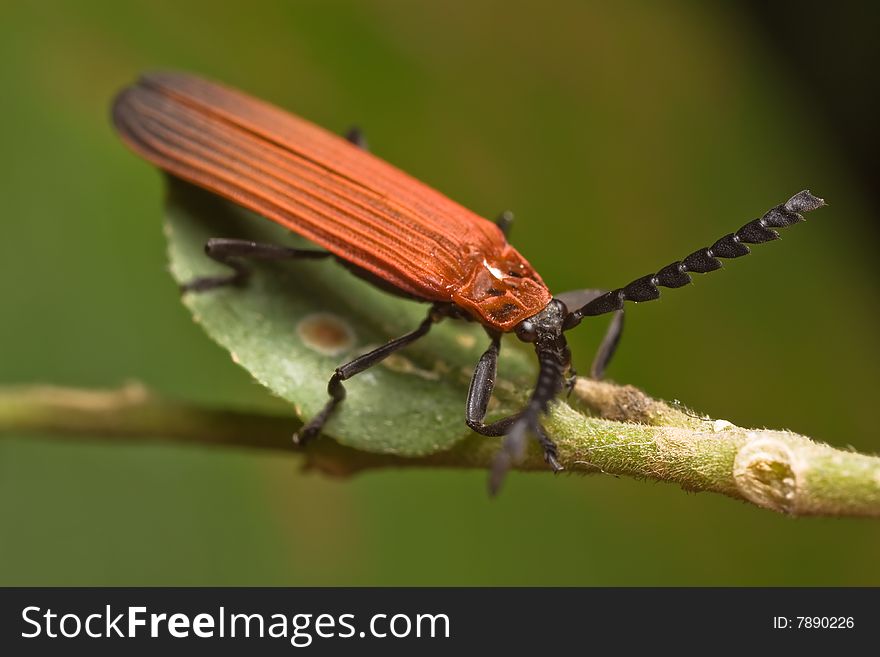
412, 404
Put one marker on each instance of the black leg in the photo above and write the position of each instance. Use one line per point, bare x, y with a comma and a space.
356, 137
504, 221
578, 298
570, 381
608, 346
482, 386
480, 392
337, 391
228, 251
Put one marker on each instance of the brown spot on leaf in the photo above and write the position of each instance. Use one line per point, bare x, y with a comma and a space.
326, 333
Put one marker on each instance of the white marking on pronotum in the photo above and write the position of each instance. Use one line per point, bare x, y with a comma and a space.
497, 273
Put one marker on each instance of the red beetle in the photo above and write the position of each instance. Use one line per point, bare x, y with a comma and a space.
394, 231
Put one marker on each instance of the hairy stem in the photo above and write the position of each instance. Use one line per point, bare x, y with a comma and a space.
625, 433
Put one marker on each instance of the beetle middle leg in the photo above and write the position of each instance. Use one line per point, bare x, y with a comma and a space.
229, 252
337, 391
504, 221
479, 393
356, 136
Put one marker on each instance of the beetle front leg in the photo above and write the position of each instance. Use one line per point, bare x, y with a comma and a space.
570, 381
479, 394
337, 391
608, 346
229, 251
606, 350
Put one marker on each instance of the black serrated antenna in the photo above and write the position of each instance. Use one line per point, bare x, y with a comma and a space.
701, 261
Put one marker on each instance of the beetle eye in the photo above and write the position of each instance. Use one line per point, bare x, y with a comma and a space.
526, 332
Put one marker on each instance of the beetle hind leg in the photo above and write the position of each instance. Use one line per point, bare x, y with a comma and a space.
230, 252
337, 391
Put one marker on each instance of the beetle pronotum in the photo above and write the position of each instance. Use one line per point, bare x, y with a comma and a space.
394, 231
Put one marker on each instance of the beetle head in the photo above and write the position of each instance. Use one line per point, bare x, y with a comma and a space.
545, 331
544, 327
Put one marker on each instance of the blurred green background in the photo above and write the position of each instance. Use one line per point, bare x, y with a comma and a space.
623, 135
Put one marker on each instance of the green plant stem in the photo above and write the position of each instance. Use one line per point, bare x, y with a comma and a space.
626, 433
